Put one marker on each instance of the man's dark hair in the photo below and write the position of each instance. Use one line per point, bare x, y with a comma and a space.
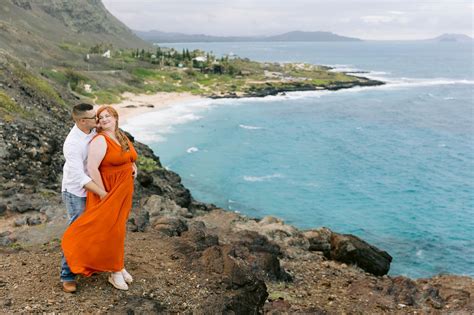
79, 109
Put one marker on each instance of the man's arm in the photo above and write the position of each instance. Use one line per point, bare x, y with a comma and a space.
75, 165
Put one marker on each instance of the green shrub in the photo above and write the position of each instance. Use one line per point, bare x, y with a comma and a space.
43, 88
143, 73
165, 87
107, 97
56, 76
8, 104
175, 76
147, 164
74, 78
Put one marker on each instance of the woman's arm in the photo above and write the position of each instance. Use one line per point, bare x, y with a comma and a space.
97, 150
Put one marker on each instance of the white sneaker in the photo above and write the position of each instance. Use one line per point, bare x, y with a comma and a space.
126, 276
116, 279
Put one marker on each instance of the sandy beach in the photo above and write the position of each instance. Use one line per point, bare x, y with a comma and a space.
137, 104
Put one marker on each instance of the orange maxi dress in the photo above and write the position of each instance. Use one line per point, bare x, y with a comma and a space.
94, 242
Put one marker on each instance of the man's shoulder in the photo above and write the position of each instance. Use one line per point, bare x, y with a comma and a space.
74, 138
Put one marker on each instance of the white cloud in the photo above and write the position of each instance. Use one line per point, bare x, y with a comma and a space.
394, 19
396, 12
377, 19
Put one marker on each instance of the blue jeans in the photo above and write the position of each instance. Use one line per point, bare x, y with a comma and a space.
75, 206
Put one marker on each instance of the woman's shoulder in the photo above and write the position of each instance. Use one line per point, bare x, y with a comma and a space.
99, 138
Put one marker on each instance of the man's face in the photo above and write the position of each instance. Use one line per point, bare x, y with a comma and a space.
89, 120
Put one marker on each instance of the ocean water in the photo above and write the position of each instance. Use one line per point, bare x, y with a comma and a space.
392, 164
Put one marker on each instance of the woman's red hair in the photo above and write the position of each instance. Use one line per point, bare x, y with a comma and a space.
119, 134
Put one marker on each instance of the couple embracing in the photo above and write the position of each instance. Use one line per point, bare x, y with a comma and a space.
97, 190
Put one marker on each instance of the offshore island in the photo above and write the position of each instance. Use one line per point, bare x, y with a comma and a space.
187, 256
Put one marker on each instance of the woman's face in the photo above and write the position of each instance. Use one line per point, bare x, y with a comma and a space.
107, 121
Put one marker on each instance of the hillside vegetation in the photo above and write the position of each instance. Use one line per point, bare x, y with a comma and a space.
197, 72
58, 31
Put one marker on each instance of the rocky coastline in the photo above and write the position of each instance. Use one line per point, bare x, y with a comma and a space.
186, 256
269, 88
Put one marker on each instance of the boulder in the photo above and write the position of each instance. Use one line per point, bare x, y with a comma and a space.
3, 208
262, 255
170, 226
33, 220
350, 249
273, 228
199, 236
7, 238
22, 206
243, 292
319, 240
158, 206
139, 222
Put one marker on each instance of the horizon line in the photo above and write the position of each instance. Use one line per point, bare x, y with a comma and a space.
281, 33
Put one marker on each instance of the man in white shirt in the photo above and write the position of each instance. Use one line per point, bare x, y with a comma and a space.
75, 177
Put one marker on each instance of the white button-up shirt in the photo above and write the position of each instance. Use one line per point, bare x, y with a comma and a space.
75, 174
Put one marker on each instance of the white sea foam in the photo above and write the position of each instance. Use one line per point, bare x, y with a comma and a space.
192, 150
396, 82
391, 84
352, 70
261, 178
249, 127
343, 68
417, 82
153, 126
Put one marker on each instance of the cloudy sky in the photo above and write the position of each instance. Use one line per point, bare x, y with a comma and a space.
366, 19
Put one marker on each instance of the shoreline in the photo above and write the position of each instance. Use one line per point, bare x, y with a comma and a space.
133, 105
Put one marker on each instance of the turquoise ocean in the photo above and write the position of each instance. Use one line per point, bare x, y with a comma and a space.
392, 164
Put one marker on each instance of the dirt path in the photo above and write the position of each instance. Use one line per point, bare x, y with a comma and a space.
29, 281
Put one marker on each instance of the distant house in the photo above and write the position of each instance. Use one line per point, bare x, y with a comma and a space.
200, 59
106, 54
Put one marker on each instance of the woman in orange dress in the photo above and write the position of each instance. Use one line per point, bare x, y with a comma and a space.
95, 241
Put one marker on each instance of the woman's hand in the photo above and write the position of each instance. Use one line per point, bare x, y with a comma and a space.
103, 194
135, 171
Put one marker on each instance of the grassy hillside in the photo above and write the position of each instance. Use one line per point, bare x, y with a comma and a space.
60, 31
63, 41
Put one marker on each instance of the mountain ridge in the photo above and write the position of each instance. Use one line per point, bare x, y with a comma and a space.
452, 37
170, 37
